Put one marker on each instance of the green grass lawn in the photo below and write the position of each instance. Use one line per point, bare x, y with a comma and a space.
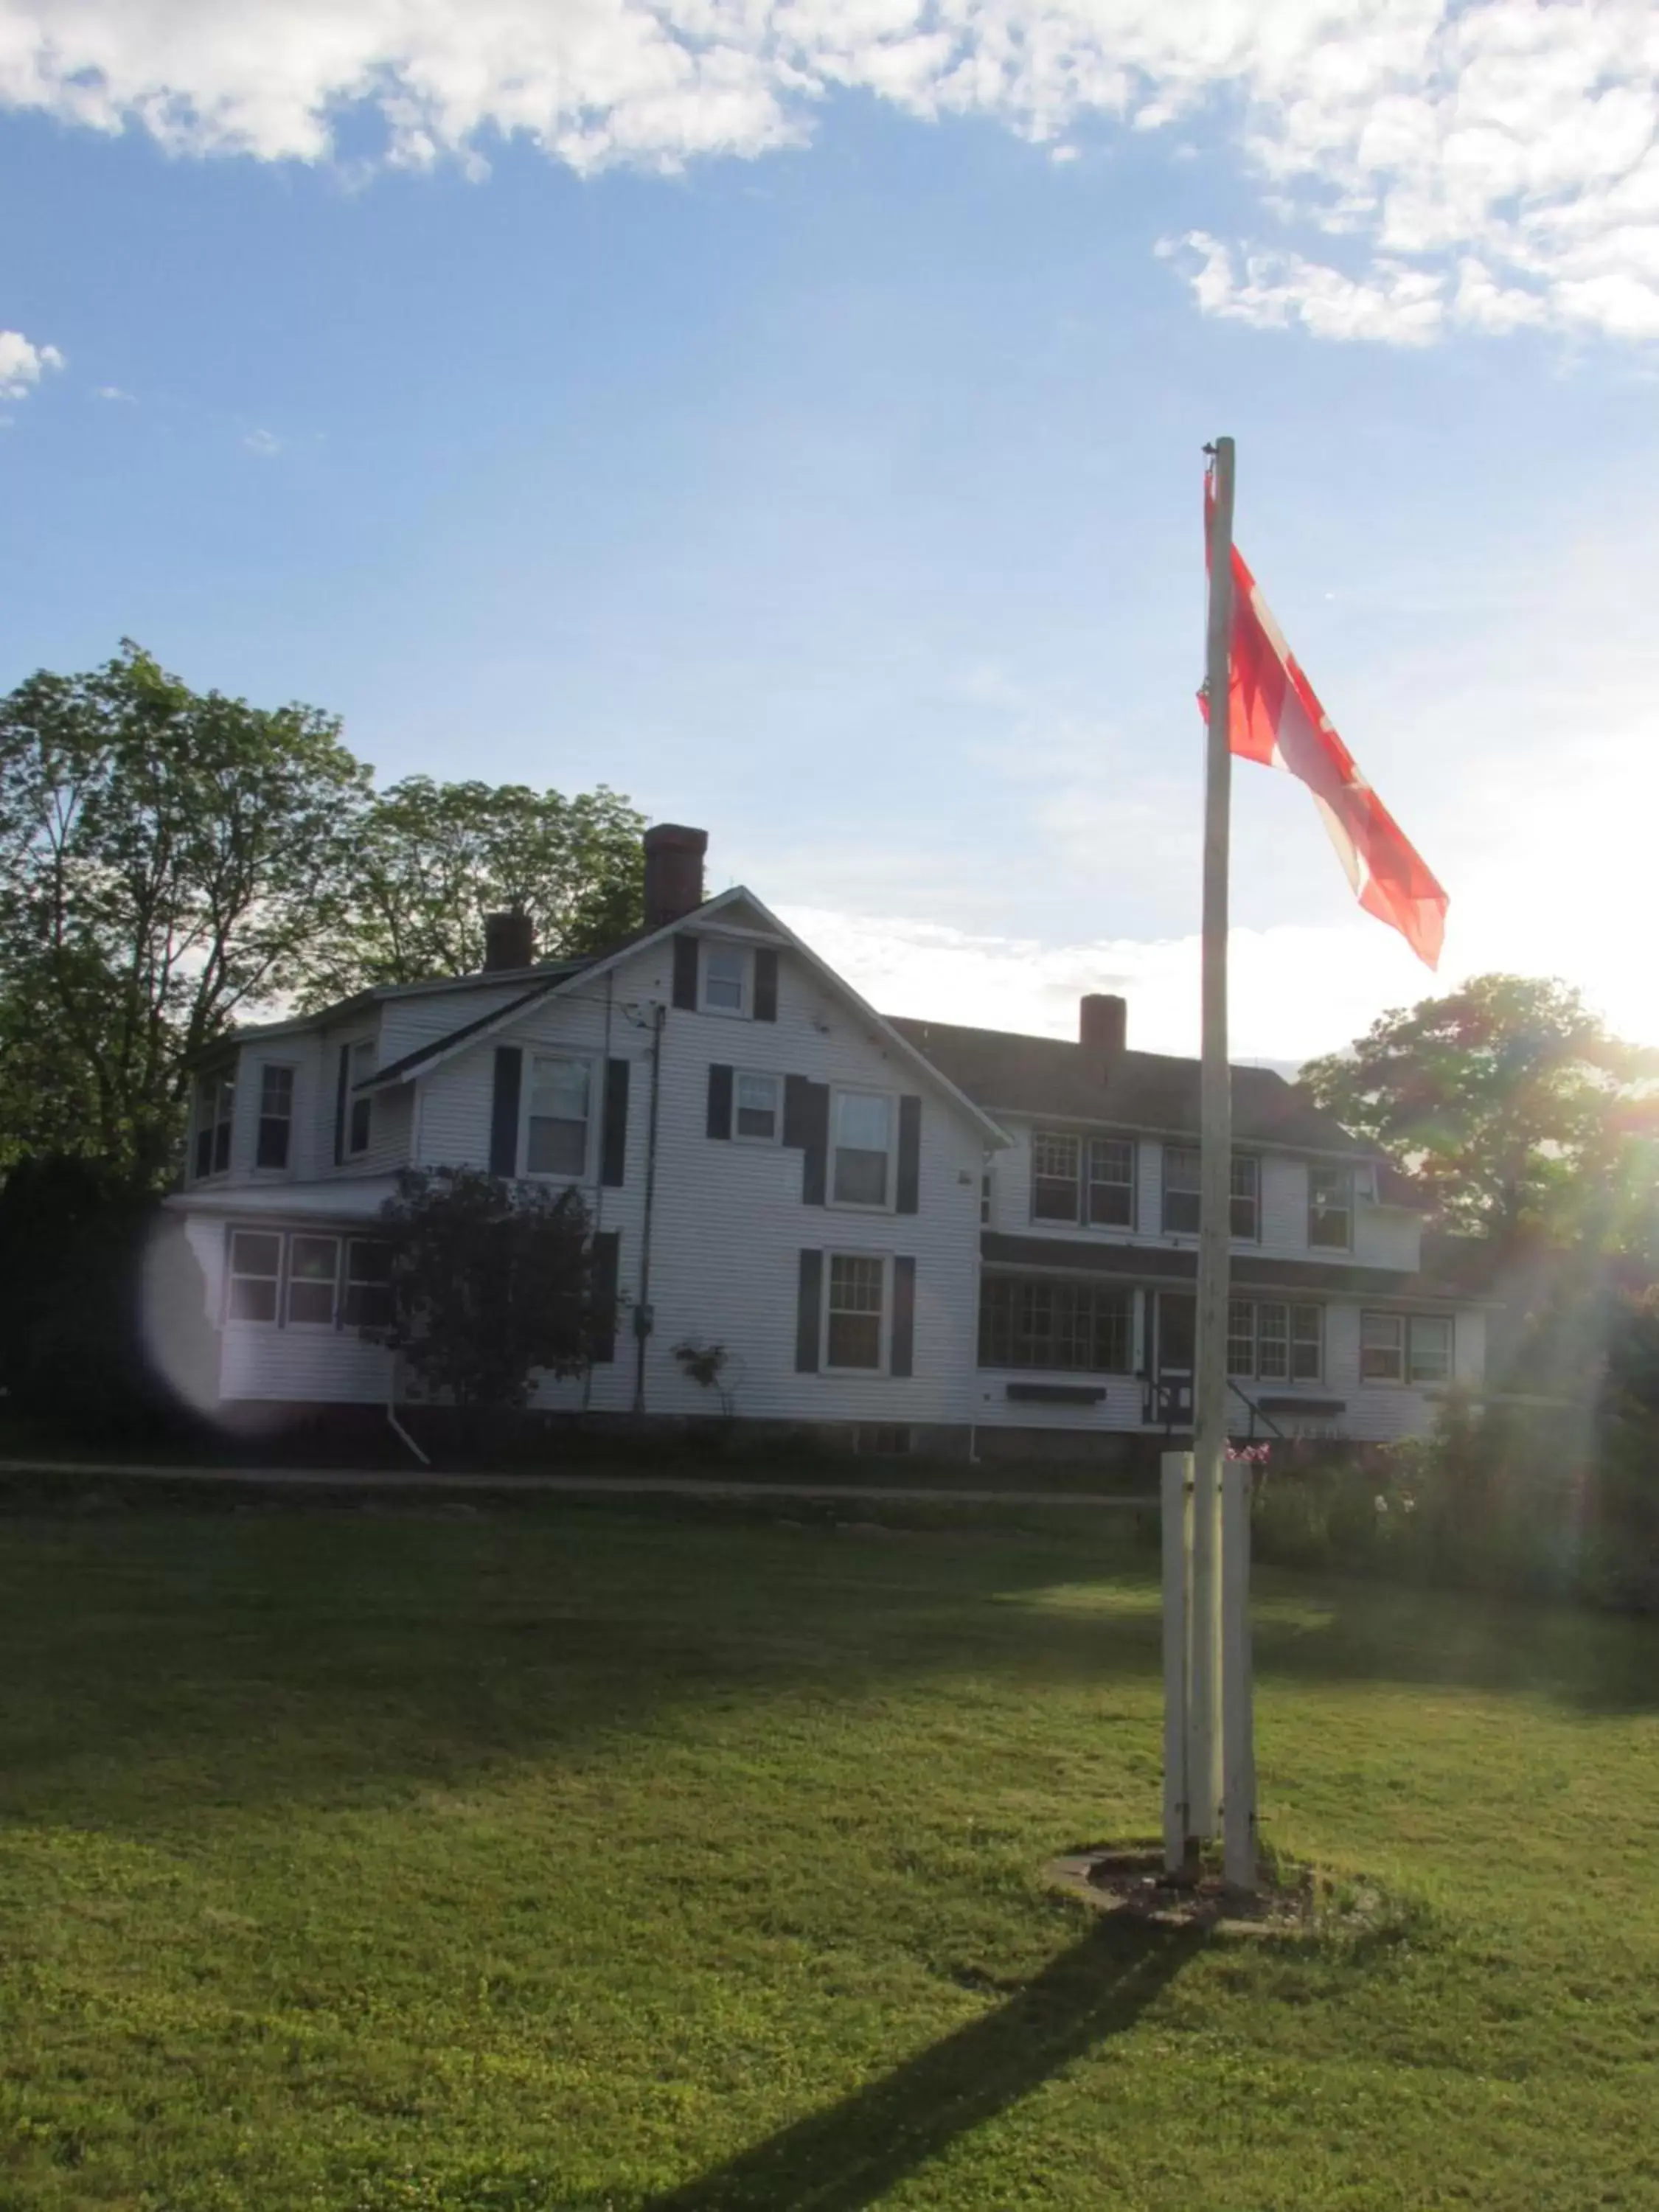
665, 1862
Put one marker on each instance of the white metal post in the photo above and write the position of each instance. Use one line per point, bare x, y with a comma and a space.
1215, 1178
1177, 1530
1237, 1696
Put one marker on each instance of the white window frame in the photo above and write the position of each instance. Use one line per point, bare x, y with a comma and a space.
362, 1057
745, 956
883, 1262
557, 1174
739, 1077
234, 1275
347, 1281
1290, 1342
268, 1068
1189, 1151
314, 1237
1397, 1322
1447, 1321
1236, 1197
1345, 1174
222, 1110
1083, 1180
889, 1200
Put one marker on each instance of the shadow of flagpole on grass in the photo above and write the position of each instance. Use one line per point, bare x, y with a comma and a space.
849, 2155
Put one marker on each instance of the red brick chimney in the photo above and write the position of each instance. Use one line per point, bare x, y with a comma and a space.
1102, 1023
510, 941
673, 872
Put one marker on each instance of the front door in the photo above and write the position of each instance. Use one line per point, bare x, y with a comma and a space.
1172, 1364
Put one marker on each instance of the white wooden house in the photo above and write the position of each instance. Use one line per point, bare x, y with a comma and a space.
898, 1230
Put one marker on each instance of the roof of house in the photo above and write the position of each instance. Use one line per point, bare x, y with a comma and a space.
1250, 1271
1008, 1074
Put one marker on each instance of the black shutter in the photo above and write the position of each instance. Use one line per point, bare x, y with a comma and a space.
904, 1317
720, 1101
807, 1313
909, 1156
602, 1289
504, 1111
766, 985
685, 972
806, 1127
340, 1094
613, 1154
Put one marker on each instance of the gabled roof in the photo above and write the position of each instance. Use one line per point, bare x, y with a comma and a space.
376, 994
1151, 1091
427, 1056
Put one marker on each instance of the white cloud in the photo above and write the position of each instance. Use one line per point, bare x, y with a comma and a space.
1344, 975
22, 364
263, 443
115, 391
1490, 163
1399, 304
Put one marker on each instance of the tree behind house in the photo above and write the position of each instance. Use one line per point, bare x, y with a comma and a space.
430, 860
163, 858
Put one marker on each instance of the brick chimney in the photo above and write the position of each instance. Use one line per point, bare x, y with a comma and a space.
1102, 1023
510, 941
673, 872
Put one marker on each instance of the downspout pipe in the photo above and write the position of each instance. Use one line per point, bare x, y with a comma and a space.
643, 1317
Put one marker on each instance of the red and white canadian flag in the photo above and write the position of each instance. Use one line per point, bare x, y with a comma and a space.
1274, 717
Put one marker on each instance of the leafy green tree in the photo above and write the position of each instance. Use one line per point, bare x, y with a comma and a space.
165, 861
491, 1282
430, 860
1513, 1107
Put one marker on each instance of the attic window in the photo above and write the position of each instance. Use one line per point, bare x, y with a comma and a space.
724, 979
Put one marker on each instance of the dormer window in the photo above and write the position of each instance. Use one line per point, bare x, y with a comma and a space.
1330, 1209
725, 979
276, 1116
216, 1106
364, 1056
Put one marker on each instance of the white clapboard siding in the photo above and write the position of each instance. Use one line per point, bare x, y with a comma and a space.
1382, 1238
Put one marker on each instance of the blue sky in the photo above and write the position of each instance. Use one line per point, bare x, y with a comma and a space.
842, 494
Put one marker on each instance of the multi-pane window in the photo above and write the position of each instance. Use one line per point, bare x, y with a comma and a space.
1087, 1180
366, 1301
314, 1268
1404, 1347
1181, 1188
256, 1268
296, 1277
862, 1136
1054, 1162
1183, 1193
1429, 1348
360, 1064
216, 1103
276, 1116
853, 1311
560, 1110
724, 979
1330, 1208
1270, 1340
1080, 1327
755, 1107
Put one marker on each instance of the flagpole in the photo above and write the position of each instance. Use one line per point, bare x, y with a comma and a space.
1215, 1175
